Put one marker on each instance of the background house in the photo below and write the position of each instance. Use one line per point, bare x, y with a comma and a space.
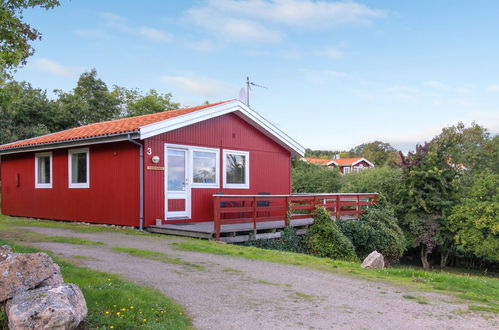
344, 165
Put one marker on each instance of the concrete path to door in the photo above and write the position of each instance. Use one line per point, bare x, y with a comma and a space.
222, 292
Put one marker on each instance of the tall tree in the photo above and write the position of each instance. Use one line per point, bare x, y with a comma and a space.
16, 35
135, 103
380, 153
89, 102
430, 193
25, 112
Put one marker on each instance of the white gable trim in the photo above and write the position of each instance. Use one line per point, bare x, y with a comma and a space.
365, 160
242, 110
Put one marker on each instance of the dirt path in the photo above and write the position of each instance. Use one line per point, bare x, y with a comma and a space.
232, 293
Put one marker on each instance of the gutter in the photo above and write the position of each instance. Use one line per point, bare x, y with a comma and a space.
141, 182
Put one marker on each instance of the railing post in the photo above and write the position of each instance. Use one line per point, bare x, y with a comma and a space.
358, 207
338, 207
216, 217
254, 217
287, 213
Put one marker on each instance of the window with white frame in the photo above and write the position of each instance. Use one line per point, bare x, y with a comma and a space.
79, 168
43, 170
236, 169
205, 167
346, 170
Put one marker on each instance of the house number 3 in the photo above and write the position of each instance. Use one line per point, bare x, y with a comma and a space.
149, 151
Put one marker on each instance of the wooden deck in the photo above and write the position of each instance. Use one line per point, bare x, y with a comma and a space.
232, 233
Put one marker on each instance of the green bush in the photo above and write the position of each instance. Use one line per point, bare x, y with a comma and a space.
310, 178
289, 241
376, 229
325, 238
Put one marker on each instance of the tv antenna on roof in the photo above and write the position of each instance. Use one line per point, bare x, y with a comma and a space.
248, 88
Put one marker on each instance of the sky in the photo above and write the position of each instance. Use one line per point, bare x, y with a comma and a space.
338, 73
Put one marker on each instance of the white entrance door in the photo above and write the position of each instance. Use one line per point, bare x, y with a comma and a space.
177, 187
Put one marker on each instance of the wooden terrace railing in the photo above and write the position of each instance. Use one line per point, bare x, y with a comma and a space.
234, 209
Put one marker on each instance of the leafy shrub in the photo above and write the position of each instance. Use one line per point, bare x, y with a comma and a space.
310, 178
376, 229
289, 241
325, 238
386, 181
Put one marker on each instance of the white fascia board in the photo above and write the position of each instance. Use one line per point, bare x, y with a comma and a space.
70, 144
363, 159
332, 163
236, 106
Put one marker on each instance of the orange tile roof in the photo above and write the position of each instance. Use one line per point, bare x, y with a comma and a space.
106, 128
318, 161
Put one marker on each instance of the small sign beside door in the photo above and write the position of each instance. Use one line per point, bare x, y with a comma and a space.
156, 168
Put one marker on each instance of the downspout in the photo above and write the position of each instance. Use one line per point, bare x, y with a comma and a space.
141, 182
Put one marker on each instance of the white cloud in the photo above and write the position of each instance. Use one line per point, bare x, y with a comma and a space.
463, 90
490, 120
304, 13
154, 34
233, 29
261, 20
436, 84
493, 88
199, 85
242, 29
52, 67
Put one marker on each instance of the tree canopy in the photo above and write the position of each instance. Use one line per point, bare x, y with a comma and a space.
16, 35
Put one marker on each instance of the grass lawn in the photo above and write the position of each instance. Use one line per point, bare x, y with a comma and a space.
471, 289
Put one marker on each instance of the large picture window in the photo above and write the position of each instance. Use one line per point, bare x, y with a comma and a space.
43, 170
205, 167
236, 169
79, 168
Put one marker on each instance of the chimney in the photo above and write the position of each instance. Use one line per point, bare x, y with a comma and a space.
337, 156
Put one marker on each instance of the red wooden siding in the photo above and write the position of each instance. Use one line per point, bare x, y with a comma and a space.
113, 196
269, 163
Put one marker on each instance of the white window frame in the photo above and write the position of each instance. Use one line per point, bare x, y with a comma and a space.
216, 151
346, 170
43, 185
70, 171
246, 174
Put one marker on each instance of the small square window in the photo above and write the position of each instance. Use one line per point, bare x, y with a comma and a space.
205, 168
79, 171
43, 170
236, 169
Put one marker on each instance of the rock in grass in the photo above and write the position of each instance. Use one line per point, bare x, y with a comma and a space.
374, 260
51, 307
21, 272
5, 252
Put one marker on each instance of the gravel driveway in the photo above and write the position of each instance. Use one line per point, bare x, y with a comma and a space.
236, 293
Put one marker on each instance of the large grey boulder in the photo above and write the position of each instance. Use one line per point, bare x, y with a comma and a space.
57, 307
374, 260
21, 272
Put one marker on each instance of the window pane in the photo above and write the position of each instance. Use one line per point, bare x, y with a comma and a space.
44, 169
176, 170
235, 169
79, 167
204, 167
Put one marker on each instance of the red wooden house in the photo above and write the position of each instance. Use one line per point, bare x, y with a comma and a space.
151, 170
